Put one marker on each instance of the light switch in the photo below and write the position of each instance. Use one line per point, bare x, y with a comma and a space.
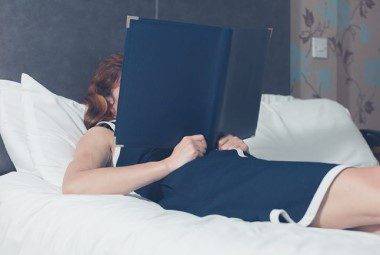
319, 47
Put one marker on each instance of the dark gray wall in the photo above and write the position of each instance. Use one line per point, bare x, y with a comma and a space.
5, 162
244, 13
60, 42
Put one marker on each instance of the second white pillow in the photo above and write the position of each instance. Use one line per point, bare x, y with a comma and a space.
54, 125
313, 130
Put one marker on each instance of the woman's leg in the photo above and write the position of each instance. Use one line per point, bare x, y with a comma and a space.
374, 229
352, 201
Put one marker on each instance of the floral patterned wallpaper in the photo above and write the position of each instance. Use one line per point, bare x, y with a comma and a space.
351, 74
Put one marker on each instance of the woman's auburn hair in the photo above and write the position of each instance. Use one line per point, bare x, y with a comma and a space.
99, 99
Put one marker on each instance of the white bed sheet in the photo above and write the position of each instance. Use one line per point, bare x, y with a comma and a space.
35, 218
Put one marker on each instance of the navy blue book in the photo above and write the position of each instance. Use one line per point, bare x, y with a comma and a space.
182, 79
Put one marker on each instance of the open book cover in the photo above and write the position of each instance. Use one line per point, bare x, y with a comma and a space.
181, 79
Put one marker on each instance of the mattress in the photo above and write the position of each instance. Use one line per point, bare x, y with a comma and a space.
35, 218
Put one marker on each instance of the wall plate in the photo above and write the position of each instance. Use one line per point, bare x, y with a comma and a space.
319, 47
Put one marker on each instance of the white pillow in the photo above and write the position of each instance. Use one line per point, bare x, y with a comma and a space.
54, 125
315, 130
271, 98
12, 126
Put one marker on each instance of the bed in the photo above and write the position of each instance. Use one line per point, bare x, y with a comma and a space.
36, 218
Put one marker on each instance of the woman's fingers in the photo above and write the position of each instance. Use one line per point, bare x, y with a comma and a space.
201, 148
229, 147
196, 144
222, 141
232, 142
229, 142
244, 147
198, 137
200, 140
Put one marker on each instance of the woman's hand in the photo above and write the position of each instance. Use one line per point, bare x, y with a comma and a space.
230, 142
190, 148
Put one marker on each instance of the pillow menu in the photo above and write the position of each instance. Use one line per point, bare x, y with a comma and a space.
182, 79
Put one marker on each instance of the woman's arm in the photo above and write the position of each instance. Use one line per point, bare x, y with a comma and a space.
90, 172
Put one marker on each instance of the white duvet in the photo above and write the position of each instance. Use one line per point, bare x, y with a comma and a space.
35, 218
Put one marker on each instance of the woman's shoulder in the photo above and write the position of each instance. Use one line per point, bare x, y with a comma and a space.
101, 133
96, 144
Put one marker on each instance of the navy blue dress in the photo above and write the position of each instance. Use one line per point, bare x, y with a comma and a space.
252, 189
248, 188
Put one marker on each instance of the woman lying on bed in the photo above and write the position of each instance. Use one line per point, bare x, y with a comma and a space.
227, 181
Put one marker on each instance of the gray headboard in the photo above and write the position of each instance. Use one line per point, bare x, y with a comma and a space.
60, 42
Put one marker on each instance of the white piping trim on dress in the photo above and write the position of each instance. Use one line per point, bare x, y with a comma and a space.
275, 214
315, 203
240, 153
110, 123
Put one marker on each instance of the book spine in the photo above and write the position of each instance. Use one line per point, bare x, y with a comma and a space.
122, 88
221, 66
